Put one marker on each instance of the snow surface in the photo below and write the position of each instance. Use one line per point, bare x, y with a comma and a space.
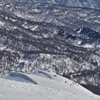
88, 46
1, 23
48, 88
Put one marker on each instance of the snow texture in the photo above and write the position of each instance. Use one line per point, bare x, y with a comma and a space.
49, 89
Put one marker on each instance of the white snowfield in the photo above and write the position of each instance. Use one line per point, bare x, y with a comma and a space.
41, 85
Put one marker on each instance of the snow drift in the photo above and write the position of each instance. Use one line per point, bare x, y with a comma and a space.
48, 88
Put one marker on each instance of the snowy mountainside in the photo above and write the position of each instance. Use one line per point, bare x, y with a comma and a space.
75, 3
49, 89
50, 37
71, 3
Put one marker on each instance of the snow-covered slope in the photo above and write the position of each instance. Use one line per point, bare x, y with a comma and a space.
49, 89
75, 3
43, 78
49, 36
72, 3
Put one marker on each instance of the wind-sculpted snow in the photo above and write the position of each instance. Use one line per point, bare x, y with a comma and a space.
41, 73
51, 75
20, 77
47, 90
41, 79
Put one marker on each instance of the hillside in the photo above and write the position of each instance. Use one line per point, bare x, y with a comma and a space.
47, 89
50, 37
69, 3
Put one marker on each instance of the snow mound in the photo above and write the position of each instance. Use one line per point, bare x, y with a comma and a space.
51, 75
43, 78
42, 74
20, 77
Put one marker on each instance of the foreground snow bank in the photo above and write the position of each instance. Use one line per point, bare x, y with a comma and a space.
20, 86
13, 90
